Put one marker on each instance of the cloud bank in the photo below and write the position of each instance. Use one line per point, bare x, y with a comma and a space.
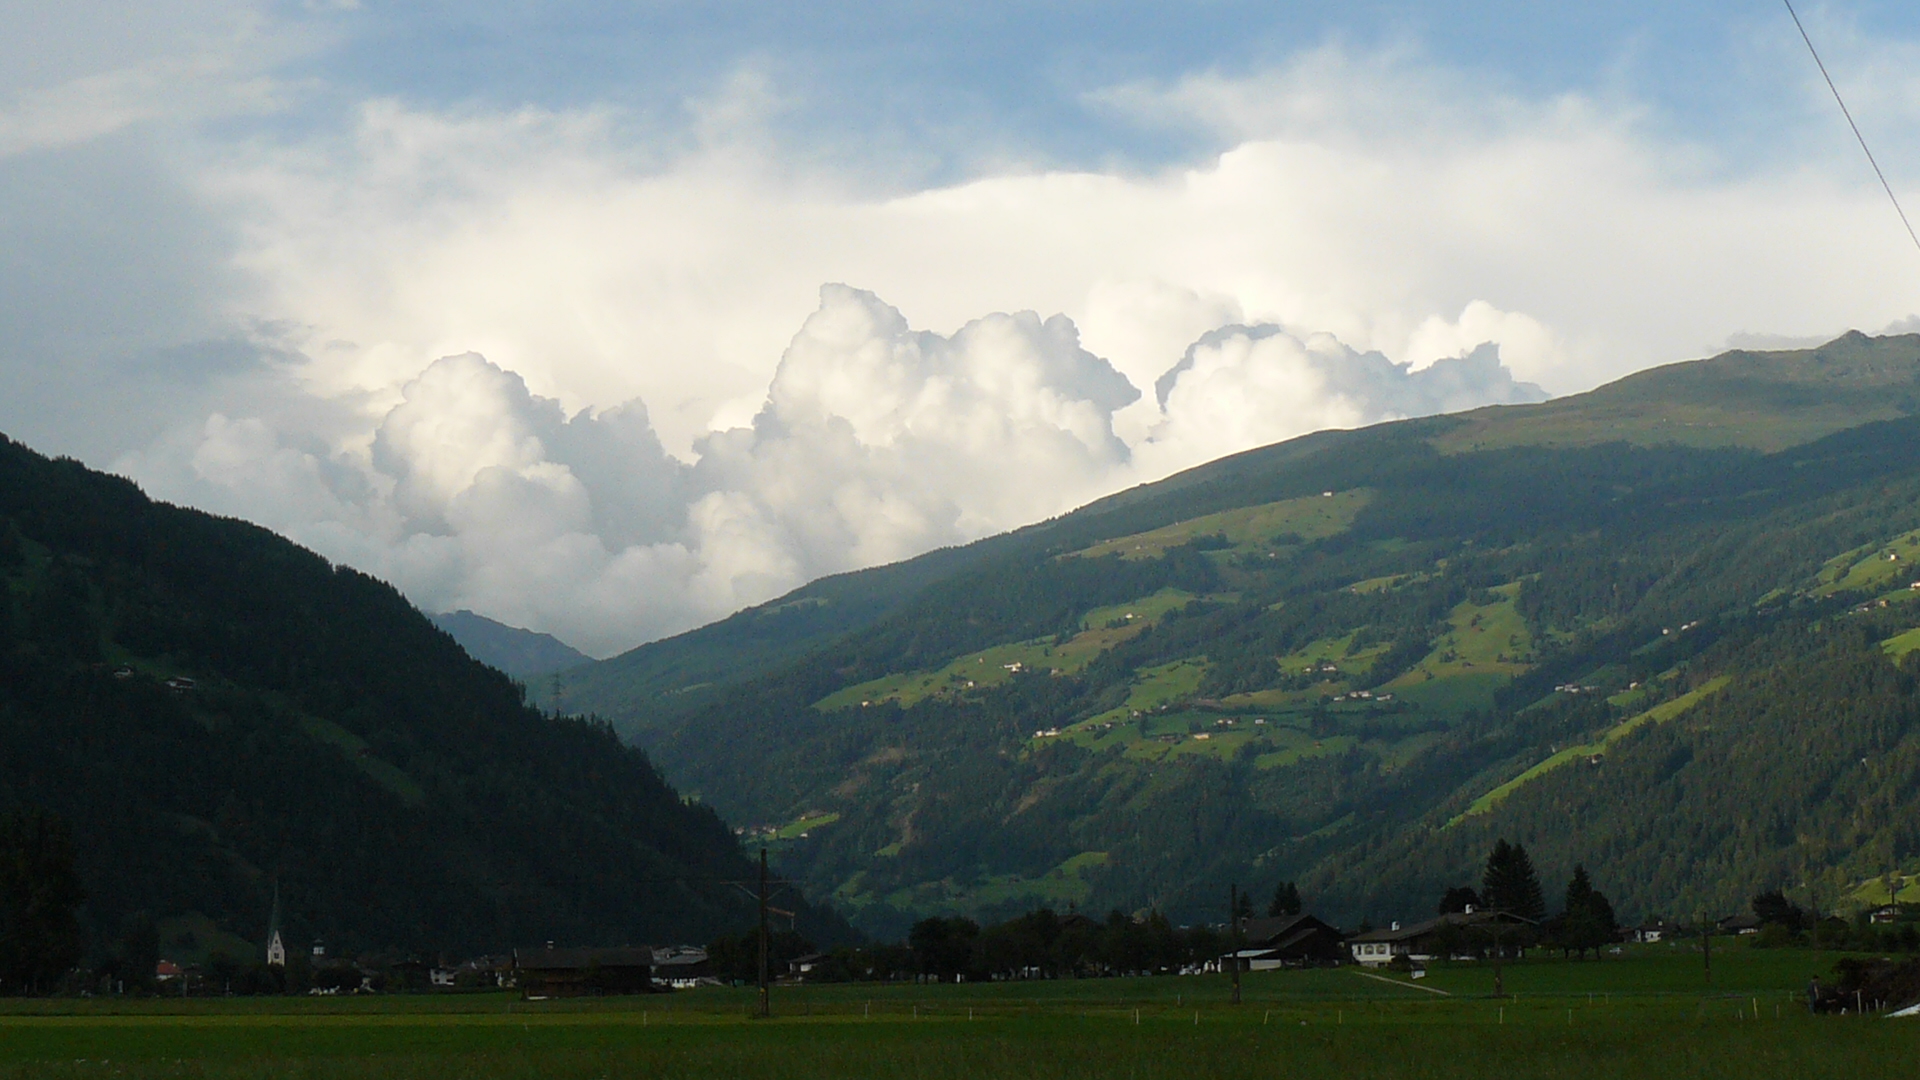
552, 365
875, 442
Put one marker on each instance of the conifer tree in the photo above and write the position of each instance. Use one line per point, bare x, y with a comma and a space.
1286, 900
1586, 921
1509, 883
40, 897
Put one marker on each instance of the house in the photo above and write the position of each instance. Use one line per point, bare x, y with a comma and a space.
682, 967
1453, 935
1289, 941
444, 978
1652, 932
802, 966
552, 972
1884, 915
1744, 923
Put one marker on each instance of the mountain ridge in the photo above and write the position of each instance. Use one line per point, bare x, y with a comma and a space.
220, 713
982, 745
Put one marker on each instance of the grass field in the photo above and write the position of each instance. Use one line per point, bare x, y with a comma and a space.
1659, 714
1648, 1013
1248, 528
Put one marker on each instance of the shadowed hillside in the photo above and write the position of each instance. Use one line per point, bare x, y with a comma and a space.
216, 710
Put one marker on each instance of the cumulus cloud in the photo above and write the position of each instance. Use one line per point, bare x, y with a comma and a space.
1245, 386
874, 442
527, 362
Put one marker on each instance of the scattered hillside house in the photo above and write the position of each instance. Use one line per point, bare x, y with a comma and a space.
166, 971
1884, 915
1290, 941
682, 967
1744, 923
1651, 933
552, 972
1462, 935
800, 967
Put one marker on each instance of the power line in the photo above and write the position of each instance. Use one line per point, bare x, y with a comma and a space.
1844, 111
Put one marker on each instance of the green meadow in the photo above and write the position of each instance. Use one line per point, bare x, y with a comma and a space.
1649, 1012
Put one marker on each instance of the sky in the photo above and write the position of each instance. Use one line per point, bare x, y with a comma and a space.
608, 319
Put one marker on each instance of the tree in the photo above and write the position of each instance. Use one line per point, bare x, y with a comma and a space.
1774, 909
943, 947
1586, 921
1509, 883
40, 896
1457, 900
1286, 900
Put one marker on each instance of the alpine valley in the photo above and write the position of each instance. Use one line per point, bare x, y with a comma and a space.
231, 728
1666, 629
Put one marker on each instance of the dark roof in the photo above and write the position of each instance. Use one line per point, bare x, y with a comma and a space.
581, 959
1273, 930
1457, 919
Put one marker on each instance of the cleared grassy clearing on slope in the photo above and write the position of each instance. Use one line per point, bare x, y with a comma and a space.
1659, 714
1105, 628
1287, 521
1880, 567
1484, 647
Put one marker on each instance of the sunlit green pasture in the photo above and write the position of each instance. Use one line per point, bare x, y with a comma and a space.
1659, 714
1649, 1012
1287, 521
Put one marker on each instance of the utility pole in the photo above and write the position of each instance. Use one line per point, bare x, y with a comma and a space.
766, 1002
1499, 982
1706, 947
1233, 936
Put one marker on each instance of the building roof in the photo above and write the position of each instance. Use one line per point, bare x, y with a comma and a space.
1275, 930
551, 959
1455, 919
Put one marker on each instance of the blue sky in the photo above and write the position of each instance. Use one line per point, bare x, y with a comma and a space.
940, 84
609, 319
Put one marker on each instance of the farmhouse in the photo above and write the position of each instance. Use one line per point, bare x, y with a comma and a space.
1461, 935
1650, 933
552, 972
1290, 941
682, 967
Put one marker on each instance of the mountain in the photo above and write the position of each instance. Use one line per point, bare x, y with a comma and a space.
217, 711
523, 654
1663, 629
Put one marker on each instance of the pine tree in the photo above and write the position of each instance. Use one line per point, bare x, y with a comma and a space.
1457, 900
1286, 900
40, 897
1586, 921
1509, 883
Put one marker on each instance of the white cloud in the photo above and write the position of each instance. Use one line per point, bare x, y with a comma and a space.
874, 442
1240, 387
648, 444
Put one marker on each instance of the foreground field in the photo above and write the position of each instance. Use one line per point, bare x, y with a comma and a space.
1647, 1014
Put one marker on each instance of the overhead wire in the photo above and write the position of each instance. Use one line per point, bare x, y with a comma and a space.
1848, 113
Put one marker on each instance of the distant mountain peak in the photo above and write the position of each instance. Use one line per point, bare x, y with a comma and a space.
523, 654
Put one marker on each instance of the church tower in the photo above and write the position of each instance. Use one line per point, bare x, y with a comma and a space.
276, 948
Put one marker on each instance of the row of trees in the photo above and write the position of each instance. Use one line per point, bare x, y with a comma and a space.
1038, 944
1509, 884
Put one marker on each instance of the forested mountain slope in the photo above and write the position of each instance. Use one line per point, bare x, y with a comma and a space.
215, 710
1659, 629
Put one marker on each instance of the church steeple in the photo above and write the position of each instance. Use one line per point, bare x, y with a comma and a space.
276, 948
